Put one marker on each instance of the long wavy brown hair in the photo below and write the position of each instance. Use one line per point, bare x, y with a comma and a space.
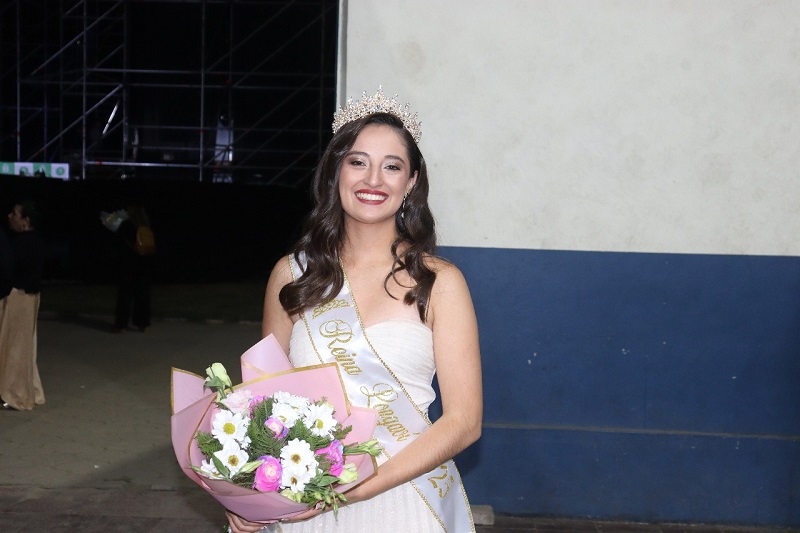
323, 232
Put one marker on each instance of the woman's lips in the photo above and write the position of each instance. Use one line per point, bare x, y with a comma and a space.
371, 197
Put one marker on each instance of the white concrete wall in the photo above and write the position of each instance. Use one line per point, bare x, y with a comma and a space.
611, 125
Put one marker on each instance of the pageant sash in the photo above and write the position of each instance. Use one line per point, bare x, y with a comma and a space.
337, 334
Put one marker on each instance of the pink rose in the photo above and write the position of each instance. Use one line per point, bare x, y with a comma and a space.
277, 427
268, 475
333, 453
239, 401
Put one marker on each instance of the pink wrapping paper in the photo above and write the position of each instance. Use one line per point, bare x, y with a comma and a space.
265, 370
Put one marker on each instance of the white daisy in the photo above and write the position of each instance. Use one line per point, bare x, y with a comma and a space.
208, 469
298, 455
298, 402
228, 427
296, 480
319, 419
288, 413
232, 456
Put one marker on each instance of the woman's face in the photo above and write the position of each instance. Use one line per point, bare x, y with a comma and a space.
375, 175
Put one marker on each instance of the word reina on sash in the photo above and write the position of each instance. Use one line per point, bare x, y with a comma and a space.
340, 332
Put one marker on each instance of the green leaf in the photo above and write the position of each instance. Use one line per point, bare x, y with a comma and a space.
326, 480
207, 443
221, 468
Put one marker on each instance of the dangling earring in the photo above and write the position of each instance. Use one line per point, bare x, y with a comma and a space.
403, 207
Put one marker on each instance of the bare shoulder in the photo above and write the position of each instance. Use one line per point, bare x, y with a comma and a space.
448, 275
275, 320
451, 310
450, 299
281, 272
280, 276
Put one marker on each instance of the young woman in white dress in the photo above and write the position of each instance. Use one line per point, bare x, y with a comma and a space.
371, 231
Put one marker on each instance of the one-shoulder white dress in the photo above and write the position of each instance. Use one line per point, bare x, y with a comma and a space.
407, 347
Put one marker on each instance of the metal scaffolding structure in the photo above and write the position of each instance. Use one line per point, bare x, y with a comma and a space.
208, 90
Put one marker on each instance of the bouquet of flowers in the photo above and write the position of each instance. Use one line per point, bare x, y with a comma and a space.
279, 443
283, 441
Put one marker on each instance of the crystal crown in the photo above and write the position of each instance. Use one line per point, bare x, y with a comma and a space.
377, 104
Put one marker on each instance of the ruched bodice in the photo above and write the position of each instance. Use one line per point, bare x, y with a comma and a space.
404, 345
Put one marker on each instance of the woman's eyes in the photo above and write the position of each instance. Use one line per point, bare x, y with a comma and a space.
388, 166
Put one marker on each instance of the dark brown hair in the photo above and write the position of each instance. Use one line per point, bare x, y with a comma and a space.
323, 232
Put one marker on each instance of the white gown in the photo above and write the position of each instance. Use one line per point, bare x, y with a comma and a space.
406, 346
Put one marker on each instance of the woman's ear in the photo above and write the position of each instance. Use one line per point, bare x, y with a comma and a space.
411, 182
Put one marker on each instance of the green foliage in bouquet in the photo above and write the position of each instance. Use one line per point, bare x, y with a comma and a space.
207, 443
280, 443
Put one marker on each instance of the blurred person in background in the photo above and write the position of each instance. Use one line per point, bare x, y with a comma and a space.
20, 385
134, 258
6, 265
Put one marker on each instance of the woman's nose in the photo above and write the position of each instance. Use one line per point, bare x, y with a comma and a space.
373, 176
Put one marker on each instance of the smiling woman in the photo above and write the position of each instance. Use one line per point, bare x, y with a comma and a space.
370, 239
374, 181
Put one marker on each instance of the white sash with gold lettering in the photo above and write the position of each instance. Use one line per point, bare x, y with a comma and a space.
337, 334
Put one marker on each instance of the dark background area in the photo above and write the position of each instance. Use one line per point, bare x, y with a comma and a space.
204, 232
161, 76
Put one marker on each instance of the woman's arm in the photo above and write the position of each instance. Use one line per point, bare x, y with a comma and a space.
275, 319
458, 368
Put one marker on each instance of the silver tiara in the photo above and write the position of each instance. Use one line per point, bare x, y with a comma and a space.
377, 104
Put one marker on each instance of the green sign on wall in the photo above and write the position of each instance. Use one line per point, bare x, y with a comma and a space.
48, 170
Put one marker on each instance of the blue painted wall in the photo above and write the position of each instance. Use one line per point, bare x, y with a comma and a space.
655, 387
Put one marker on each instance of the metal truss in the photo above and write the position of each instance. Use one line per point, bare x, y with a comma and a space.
208, 90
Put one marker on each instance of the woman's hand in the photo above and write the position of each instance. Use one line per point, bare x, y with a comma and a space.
305, 515
240, 525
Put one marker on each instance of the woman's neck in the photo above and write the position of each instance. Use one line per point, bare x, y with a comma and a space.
368, 245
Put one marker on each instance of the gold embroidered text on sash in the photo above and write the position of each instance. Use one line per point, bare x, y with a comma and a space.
339, 331
385, 394
327, 306
443, 482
